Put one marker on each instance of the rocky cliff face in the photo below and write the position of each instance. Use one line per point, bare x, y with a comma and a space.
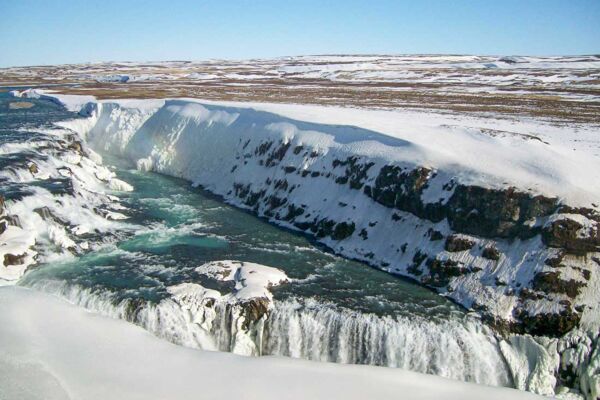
477, 226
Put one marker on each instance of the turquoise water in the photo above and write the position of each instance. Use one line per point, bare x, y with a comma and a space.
179, 228
174, 228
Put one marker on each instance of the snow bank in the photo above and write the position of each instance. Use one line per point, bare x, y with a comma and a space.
53, 350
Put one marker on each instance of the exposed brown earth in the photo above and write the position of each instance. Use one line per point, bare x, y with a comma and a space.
511, 93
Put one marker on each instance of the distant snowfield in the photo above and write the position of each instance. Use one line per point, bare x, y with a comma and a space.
561, 88
486, 70
51, 350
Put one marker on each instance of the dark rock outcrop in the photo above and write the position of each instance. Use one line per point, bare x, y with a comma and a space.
567, 234
485, 212
496, 213
491, 253
33, 168
550, 282
253, 310
400, 188
12, 259
546, 324
441, 271
343, 230
455, 243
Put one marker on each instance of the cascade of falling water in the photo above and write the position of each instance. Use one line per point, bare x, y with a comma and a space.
458, 349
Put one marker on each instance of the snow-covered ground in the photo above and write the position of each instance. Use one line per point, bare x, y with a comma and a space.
566, 88
52, 350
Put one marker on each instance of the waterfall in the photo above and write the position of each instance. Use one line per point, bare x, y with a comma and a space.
457, 349
463, 350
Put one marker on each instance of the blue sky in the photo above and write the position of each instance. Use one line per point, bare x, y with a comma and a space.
60, 31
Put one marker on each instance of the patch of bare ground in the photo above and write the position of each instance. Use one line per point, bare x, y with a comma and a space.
17, 105
558, 95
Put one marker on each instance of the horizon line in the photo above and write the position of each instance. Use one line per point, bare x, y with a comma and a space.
597, 55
